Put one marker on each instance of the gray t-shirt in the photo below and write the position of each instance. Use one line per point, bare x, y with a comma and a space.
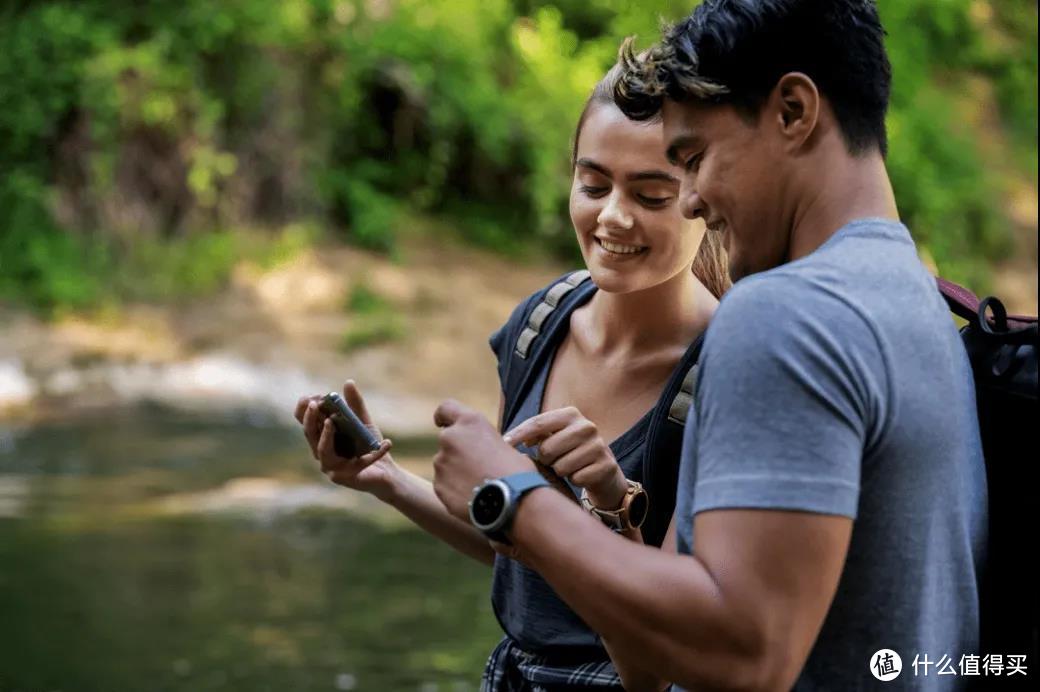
837, 384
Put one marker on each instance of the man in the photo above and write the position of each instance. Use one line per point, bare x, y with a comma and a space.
832, 493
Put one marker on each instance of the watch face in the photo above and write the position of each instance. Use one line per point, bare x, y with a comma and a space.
637, 509
488, 505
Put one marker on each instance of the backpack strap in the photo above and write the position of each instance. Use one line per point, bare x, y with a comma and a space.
967, 306
664, 444
546, 307
544, 322
684, 397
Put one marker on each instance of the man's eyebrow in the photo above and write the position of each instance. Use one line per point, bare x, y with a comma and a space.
681, 142
652, 175
589, 163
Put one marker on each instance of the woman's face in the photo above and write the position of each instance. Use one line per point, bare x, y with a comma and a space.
624, 204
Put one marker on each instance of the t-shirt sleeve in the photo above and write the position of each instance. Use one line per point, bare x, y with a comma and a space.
791, 393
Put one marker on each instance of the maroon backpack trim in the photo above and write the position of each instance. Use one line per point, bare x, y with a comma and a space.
965, 304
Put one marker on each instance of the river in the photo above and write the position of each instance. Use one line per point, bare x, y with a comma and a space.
143, 548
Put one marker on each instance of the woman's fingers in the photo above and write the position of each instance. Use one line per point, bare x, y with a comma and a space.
571, 437
505, 549
580, 458
326, 448
366, 460
301, 406
331, 461
593, 475
537, 428
312, 422
356, 402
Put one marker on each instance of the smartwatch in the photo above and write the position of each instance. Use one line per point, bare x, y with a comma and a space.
495, 501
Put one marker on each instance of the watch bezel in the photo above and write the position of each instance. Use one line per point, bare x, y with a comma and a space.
502, 520
639, 493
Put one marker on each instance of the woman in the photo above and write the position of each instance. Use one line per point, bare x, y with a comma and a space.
657, 279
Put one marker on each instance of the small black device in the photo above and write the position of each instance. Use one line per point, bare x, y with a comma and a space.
353, 438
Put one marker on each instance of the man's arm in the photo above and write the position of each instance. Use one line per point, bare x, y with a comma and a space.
635, 677
772, 450
742, 614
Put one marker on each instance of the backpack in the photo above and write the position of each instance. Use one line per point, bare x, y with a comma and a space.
1002, 350
534, 332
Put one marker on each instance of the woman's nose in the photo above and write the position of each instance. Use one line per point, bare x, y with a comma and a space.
614, 214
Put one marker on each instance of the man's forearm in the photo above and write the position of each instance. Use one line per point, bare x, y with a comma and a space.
633, 679
660, 611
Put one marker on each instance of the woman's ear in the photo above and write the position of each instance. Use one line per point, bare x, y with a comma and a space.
797, 103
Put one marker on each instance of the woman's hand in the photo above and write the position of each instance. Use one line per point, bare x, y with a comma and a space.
571, 444
373, 472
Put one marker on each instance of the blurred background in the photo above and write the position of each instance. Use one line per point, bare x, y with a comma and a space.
210, 209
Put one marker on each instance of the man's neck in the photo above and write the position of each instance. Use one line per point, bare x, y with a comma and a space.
848, 190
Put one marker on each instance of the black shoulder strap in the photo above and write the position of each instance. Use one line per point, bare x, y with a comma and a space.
546, 307
541, 330
664, 444
684, 397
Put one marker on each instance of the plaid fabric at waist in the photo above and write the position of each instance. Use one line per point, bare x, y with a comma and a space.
511, 669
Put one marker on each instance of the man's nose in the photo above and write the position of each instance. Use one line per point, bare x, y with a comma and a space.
691, 205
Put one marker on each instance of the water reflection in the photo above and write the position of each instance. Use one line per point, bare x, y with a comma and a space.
135, 557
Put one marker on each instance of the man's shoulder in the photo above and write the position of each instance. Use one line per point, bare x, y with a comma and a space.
789, 301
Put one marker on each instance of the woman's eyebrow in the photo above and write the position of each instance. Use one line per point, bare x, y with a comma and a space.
631, 177
589, 163
652, 175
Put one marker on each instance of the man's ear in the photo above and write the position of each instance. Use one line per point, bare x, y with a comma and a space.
797, 103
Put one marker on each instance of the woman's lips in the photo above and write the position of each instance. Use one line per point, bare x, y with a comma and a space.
620, 250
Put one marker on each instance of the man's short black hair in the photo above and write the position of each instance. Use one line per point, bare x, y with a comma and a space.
735, 51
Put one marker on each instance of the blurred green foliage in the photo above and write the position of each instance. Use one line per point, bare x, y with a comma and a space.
140, 125
373, 319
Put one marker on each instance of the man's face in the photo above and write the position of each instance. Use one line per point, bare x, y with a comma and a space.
735, 176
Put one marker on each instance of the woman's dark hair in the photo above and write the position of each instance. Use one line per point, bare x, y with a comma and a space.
710, 266
735, 51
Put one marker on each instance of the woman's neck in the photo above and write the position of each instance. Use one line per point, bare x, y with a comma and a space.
669, 314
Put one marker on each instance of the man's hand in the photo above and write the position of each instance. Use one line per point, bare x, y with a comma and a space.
471, 450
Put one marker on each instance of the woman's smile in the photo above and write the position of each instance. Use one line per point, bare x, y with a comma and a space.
616, 250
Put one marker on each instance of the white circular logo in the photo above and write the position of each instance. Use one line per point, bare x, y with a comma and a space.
886, 665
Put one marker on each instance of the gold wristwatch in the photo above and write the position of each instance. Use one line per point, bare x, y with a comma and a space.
630, 515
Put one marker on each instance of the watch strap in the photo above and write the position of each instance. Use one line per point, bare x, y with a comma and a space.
519, 485
616, 519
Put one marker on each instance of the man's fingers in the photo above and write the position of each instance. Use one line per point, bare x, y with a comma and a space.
356, 402
447, 413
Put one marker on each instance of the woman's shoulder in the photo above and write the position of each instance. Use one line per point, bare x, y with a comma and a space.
551, 295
